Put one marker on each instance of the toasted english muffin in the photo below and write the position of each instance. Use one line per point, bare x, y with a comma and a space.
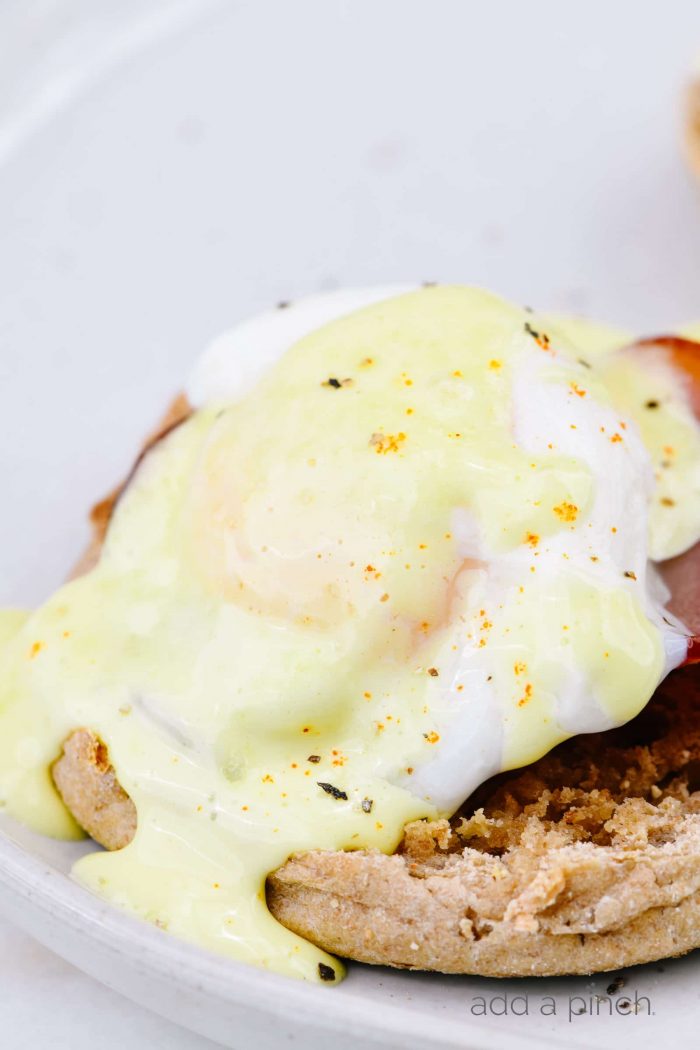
588, 860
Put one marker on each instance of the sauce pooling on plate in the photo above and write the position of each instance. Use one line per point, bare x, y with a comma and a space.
411, 551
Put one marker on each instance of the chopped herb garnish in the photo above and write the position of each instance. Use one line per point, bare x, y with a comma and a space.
540, 338
336, 384
314, 758
367, 804
331, 790
326, 973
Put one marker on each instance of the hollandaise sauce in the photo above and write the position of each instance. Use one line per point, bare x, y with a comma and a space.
414, 551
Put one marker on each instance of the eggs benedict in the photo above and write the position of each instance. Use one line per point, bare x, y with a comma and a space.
391, 546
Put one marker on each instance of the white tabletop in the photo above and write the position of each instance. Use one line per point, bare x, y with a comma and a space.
46, 1002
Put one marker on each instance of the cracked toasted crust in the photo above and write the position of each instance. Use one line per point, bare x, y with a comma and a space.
542, 909
588, 860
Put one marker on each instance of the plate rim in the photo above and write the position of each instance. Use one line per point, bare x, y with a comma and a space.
158, 954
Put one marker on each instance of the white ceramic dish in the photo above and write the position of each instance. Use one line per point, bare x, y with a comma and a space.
239, 1006
160, 180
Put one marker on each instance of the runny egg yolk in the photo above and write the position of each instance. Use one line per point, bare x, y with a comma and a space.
414, 553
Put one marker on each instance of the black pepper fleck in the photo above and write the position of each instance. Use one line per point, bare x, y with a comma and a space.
326, 973
331, 790
337, 384
541, 338
314, 758
615, 986
652, 404
367, 804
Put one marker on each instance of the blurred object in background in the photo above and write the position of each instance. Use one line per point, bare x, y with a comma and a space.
692, 127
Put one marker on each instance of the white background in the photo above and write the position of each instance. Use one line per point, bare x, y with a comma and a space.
162, 175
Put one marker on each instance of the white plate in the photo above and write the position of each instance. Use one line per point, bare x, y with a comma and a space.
168, 167
239, 1006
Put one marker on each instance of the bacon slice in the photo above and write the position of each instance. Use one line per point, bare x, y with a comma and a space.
682, 577
685, 356
682, 574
